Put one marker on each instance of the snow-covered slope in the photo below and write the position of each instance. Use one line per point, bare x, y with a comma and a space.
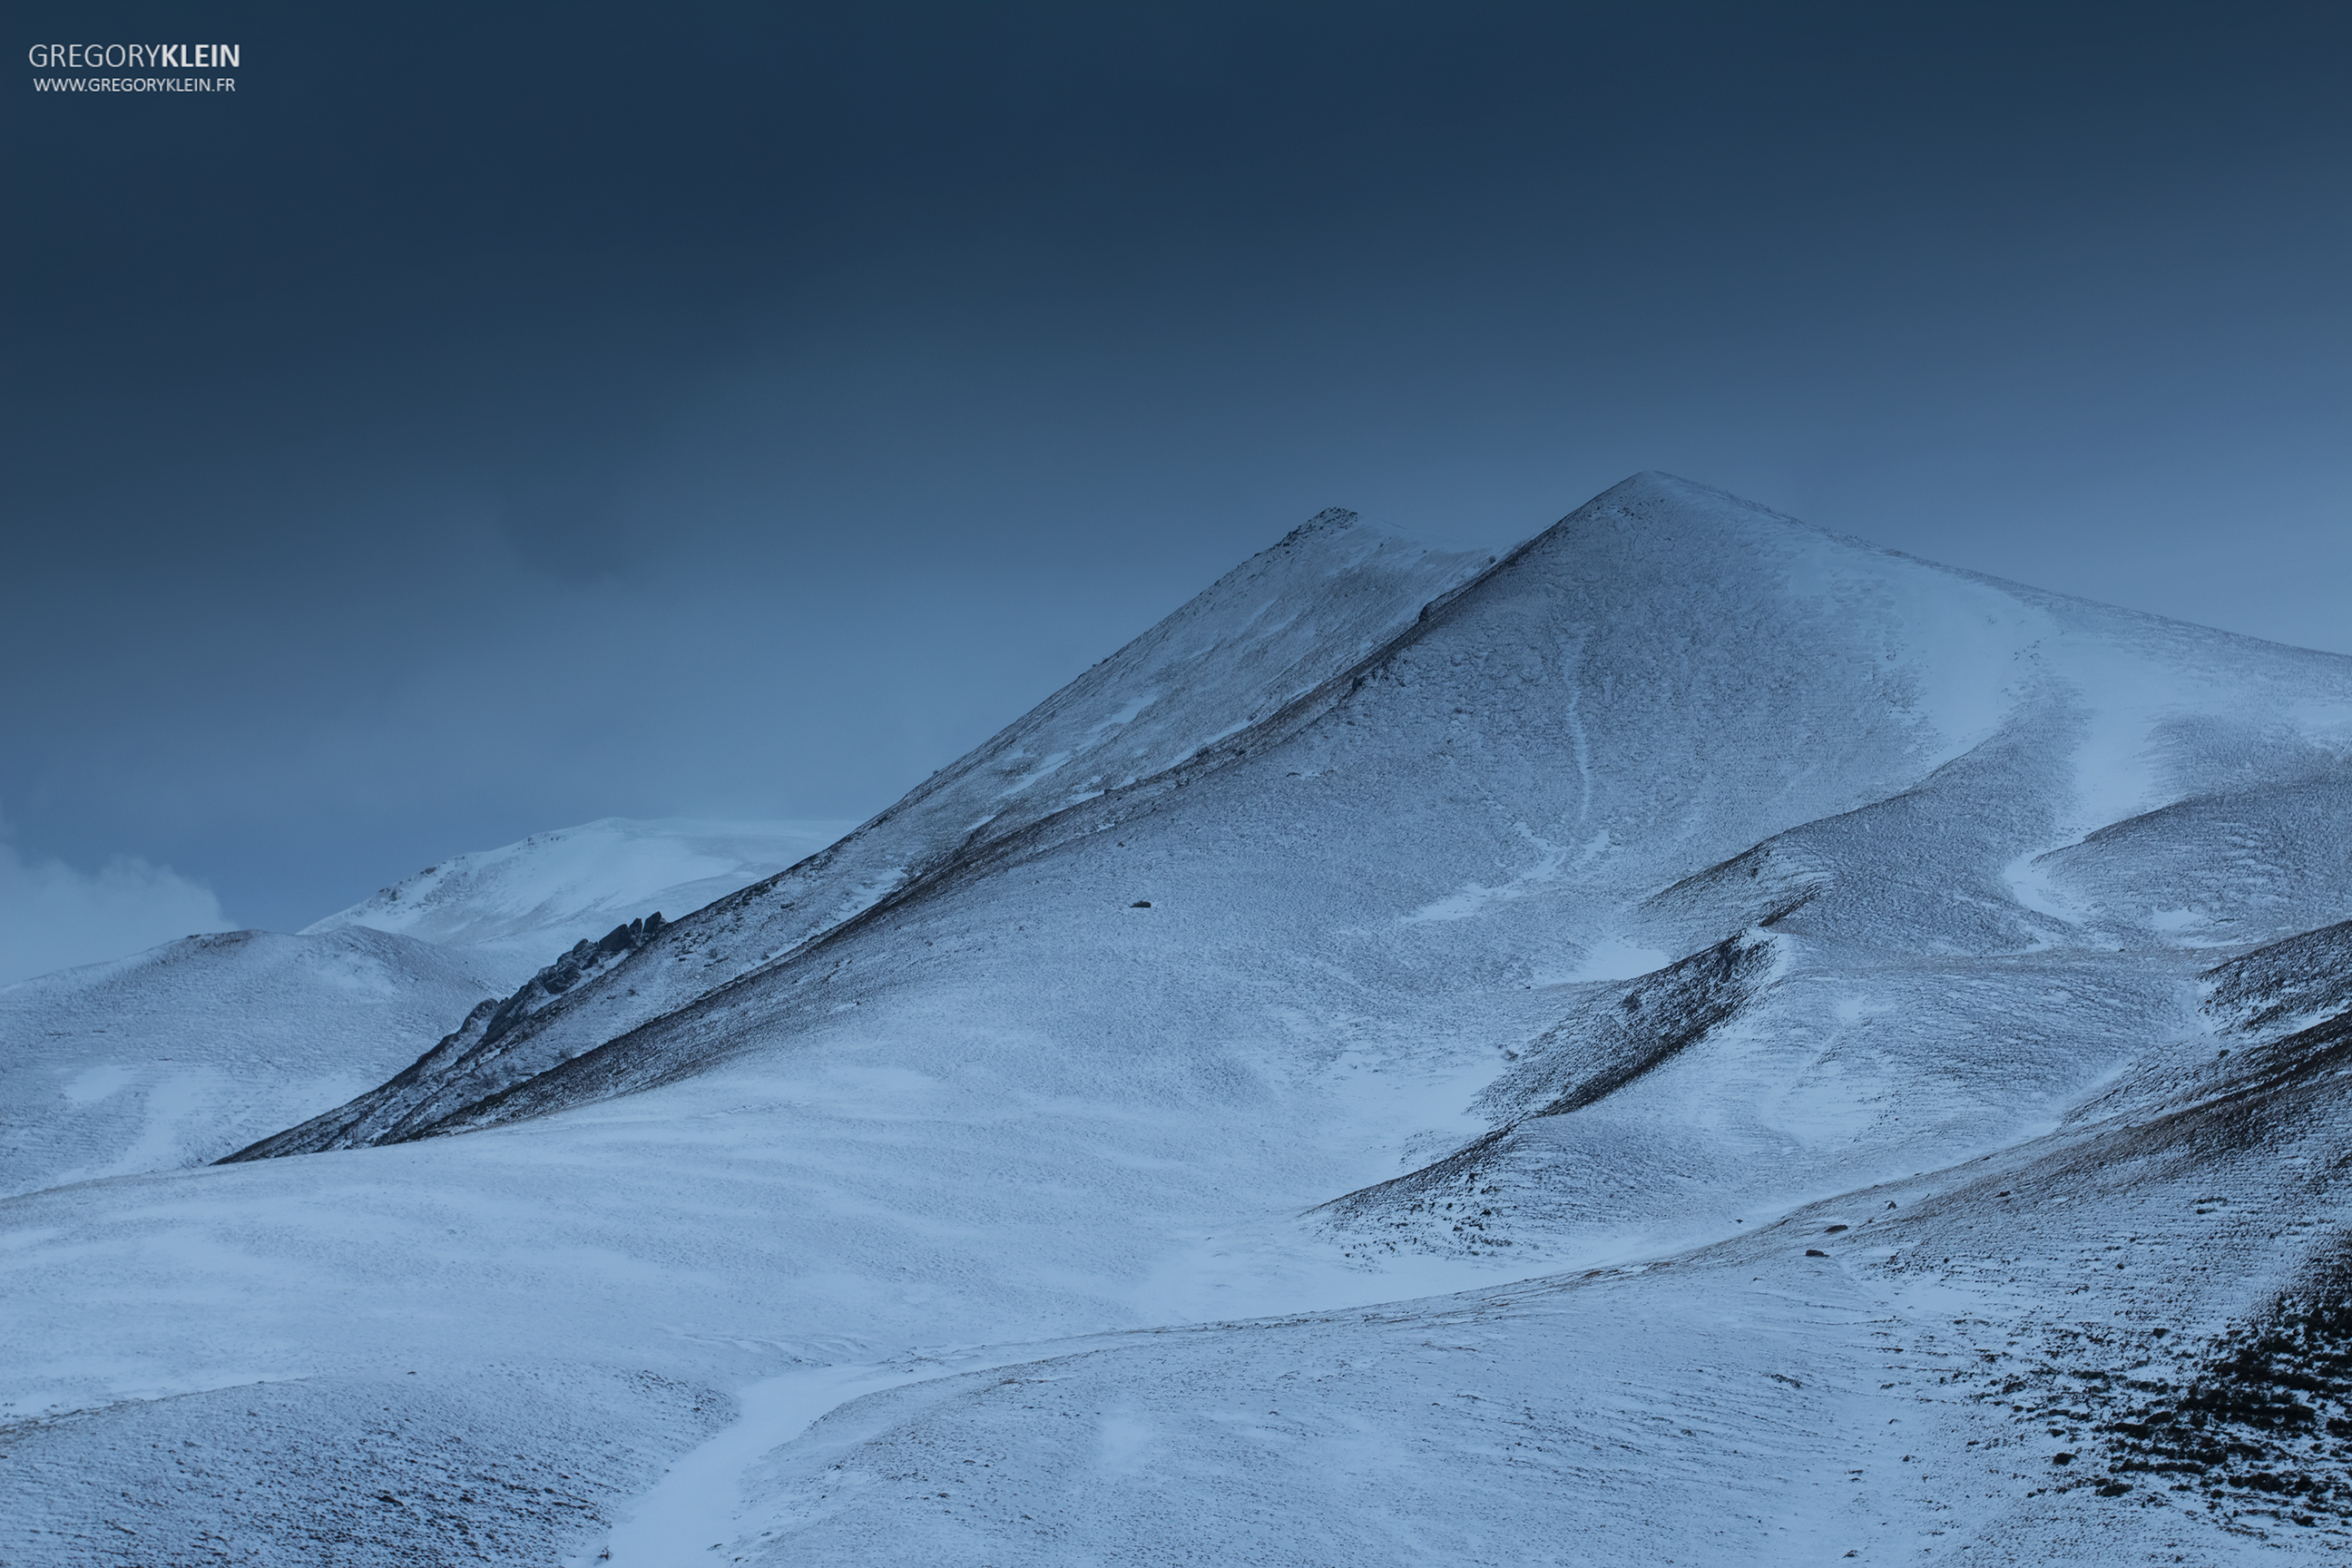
1263, 649
519, 906
184, 1053
1783, 985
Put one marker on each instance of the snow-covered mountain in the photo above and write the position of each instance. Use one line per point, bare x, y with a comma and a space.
1266, 648
185, 1053
1697, 1040
520, 906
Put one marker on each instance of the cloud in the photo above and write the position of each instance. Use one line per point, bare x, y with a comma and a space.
53, 916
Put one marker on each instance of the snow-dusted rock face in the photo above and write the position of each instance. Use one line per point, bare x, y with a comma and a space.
411, 1098
1821, 1014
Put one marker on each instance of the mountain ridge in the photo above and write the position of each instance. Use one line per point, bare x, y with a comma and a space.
1351, 546
1717, 1042
1719, 522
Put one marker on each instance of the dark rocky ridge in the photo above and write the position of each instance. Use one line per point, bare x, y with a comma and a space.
450, 1072
1613, 1036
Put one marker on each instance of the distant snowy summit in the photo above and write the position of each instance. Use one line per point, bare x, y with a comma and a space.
521, 906
184, 1053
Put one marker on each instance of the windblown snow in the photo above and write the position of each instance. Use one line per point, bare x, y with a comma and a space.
1697, 1040
188, 1052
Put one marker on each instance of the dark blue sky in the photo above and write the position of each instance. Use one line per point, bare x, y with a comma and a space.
493, 418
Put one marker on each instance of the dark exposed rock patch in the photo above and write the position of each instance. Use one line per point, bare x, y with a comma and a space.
2306, 977
1615, 1037
2251, 1428
1612, 1039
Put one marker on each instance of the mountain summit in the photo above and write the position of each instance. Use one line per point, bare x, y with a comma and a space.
1790, 992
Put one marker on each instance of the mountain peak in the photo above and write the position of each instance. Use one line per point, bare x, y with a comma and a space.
1330, 520
1789, 951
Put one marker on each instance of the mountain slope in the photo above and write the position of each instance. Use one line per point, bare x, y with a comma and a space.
1259, 650
1615, 942
1993, 726
184, 1053
197, 1049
